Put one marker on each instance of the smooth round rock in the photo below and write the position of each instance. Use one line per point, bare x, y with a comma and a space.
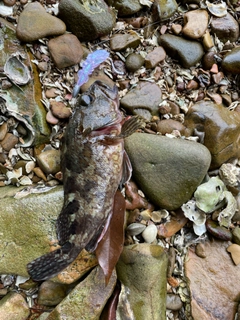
59, 110
35, 23
125, 7
66, 50
150, 233
134, 62
88, 20
167, 170
218, 127
174, 302
51, 293
163, 10
187, 52
9, 141
196, 23
143, 100
226, 28
168, 125
49, 161
231, 61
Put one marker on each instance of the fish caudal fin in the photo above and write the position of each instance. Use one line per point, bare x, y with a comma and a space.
50, 264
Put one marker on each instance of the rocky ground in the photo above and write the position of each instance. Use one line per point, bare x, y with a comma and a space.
177, 65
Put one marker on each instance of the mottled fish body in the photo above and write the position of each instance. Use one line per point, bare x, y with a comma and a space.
93, 164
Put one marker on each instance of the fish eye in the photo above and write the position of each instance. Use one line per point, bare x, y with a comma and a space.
85, 100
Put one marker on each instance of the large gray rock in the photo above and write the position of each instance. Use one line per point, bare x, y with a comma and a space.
88, 20
188, 52
142, 268
27, 227
167, 170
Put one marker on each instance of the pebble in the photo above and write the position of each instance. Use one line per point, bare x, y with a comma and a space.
154, 57
134, 62
155, 161
225, 28
9, 141
38, 172
213, 282
125, 7
176, 28
9, 3
208, 60
217, 231
59, 110
163, 10
207, 41
220, 123
66, 50
51, 93
231, 61
43, 66
150, 233
143, 100
35, 23
174, 302
236, 235
195, 23
49, 161
50, 118
13, 307
120, 42
134, 229
87, 24
176, 223
142, 269
187, 51
234, 249
51, 293
200, 250
3, 130
168, 125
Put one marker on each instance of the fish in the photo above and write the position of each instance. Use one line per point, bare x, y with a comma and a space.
94, 164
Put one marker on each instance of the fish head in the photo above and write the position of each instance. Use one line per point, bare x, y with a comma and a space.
98, 107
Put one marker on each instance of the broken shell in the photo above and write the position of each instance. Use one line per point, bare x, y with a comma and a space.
16, 71
218, 10
150, 233
135, 228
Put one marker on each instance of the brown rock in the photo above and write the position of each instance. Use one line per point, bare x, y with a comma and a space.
35, 23
226, 28
196, 22
9, 3
221, 129
120, 42
176, 28
50, 118
51, 93
59, 110
134, 62
51, 293
66, 50
214, 282
14, 306
173, 226
153, 58
49, 161
3, 130
168, 125
9, 141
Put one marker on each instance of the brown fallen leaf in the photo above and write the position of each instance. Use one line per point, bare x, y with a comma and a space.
234, 249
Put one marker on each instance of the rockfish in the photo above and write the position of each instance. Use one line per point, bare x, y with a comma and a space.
93, 164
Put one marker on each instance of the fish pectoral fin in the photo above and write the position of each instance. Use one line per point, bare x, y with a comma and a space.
130, 126
126, 170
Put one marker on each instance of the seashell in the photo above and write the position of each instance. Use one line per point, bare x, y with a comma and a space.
16, 71
218, 10
150, 233
135, 228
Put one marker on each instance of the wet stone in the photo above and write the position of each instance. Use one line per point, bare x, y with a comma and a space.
125, 7
143, 100
226, 28
231, 61
153, 58
13, 306
134, 62
35, 23
59, 110
196, 23
51, 293
66, 50
168, 125
120, 42
49, 161
188, 52
87, 21
155, 161
9, 141
163, 10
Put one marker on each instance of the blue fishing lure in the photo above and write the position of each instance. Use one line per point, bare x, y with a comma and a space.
93, 60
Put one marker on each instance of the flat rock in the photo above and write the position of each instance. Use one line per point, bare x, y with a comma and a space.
66, 50
167, 170
120, 42
154, 57
143, 100
187, 52
88, 20
195, 23
49, 161
226, 28
163, 10
220, 127
13, 306
231, 61
27, 227
143, 269
87, 298
35, 23
125, 7
213, 282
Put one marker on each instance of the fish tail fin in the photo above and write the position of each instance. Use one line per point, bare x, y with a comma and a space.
50, 264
